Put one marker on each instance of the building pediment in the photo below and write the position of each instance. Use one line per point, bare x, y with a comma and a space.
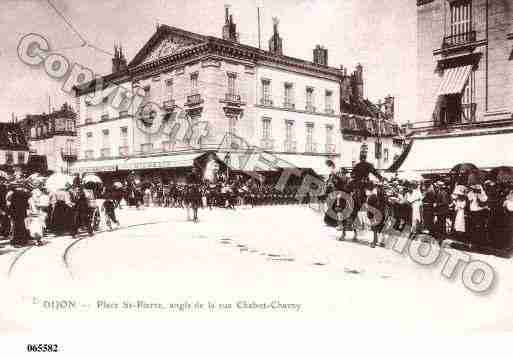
166, 41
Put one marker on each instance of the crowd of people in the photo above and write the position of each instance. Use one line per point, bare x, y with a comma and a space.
470, 209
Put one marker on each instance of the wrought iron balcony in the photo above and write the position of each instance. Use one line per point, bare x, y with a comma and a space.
194, 100
289, 104
168, 104
123, 114
290, 146
310, 108
104, 117
69, 154
331, 148
105, 152
232, 97
267, 144
459, 39
167, 146
123, 151
311, 148
88, 120
266, 101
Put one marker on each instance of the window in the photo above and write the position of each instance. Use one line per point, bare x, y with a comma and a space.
289, 95
310, 99
461, 24
289, 130
385, 155
70, 125
194, 83
89, 140
169, 89
329, 134
21, 157
266, 92
9, 158
232, 89
124, 136
309, 137
32, 132
105, 139
329, 101
467, 100
266, 128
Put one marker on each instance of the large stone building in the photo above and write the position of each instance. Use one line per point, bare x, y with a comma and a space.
465, 79
238, 95
52, 138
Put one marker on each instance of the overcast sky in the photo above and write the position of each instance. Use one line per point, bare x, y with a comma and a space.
380, 34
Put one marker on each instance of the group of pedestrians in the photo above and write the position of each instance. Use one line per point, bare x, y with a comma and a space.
475, 215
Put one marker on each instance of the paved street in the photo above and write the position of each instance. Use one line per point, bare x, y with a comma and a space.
261, 255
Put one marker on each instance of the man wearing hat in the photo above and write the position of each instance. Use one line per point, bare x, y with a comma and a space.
443, 201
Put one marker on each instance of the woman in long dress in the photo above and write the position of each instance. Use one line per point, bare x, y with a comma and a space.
414, 199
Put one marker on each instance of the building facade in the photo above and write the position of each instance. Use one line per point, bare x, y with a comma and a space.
233, 95
52, 136
14, 150
464, 84
371, 128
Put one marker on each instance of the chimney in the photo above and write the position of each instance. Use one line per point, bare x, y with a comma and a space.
357, 82
389, 107
276, 42
119, 62
229, 28
320, 55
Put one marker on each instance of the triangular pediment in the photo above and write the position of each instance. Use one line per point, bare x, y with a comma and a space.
166, 41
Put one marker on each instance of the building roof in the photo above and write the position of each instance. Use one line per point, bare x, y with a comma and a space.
12, 137
199, 45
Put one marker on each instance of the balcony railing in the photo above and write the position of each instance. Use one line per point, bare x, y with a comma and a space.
88, 120
290, 146
289, 104
267, 144
104, 117
331, 148
231, 97
194, 99
311, 148
105, 152
459, 39
123, 151
266, 101
167, 146
69, 154
89, 154
310, 108
168, 104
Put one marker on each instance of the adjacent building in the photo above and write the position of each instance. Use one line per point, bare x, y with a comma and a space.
52, 138
14, 150
465, 85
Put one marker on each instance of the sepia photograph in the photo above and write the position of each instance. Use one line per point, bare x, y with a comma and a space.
208, 174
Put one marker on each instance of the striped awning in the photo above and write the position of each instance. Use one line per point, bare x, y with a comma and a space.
454, 80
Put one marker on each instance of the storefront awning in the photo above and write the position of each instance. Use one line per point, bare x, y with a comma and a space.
441, 154
137, 163
454, 80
